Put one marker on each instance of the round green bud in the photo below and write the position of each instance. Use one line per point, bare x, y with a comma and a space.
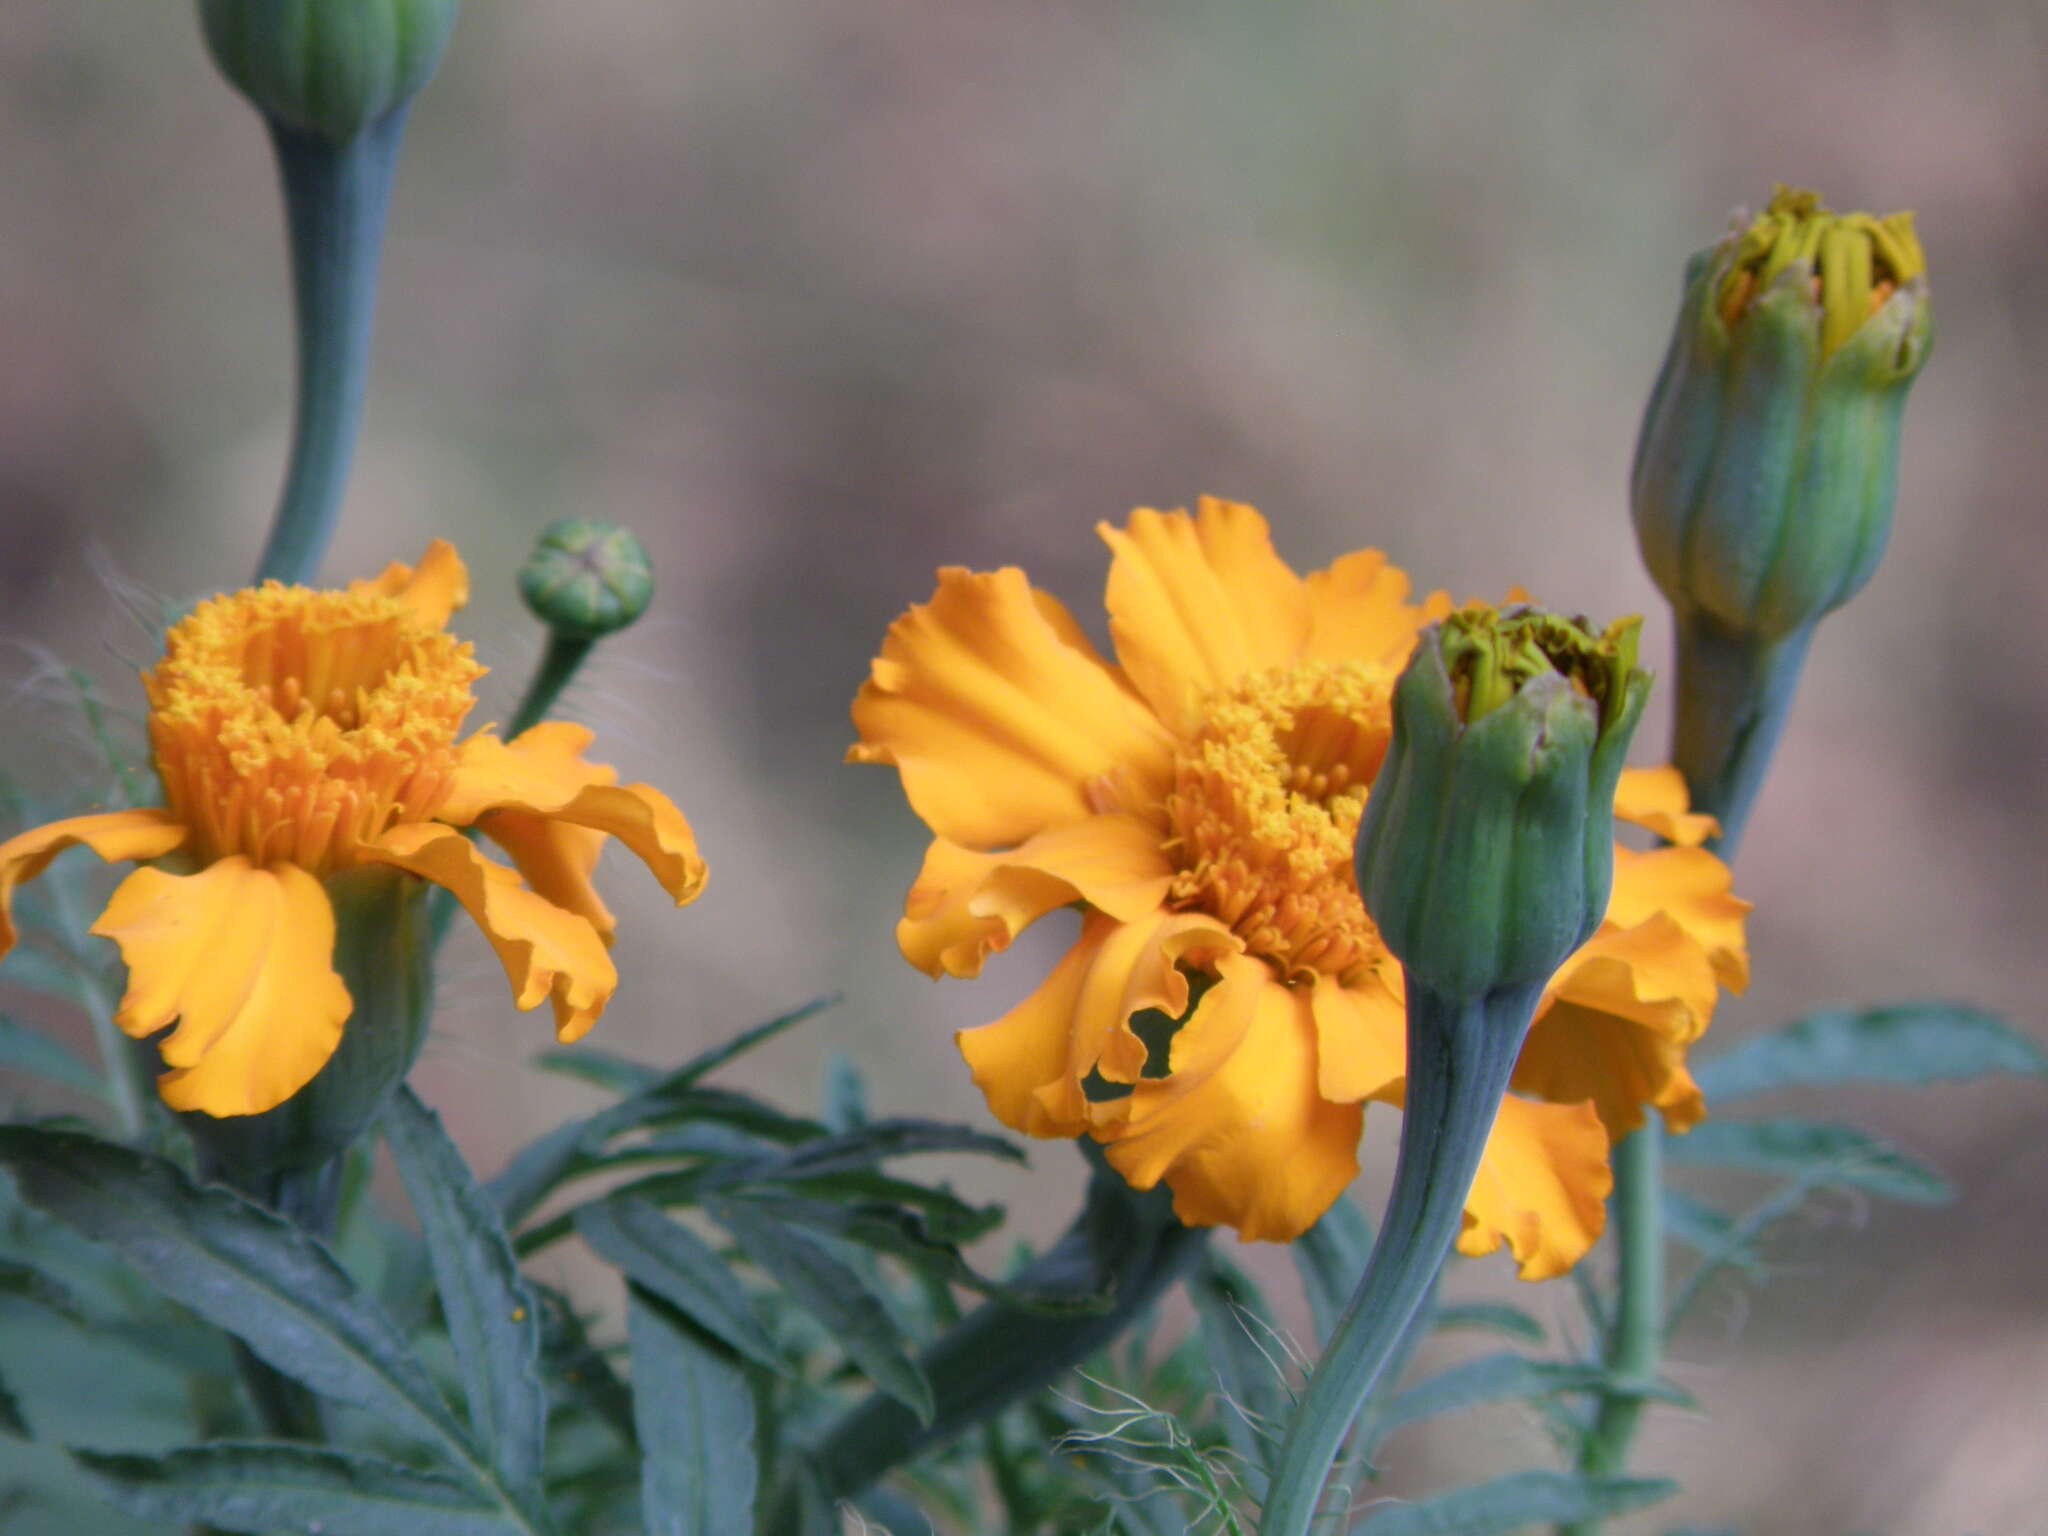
587, 578
1767, 464
1486, 854
327, 67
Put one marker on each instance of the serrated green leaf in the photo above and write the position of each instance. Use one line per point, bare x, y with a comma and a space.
1516, 1502
492, 1315
1904, 1043
601, 1069
11, 1420
37, 970
680, 1267
1489, 1317
27, 1283
286, 1486
1331, 1256
24, 1048
577, 1369
835, 1295
242, 1269
846, 1094
695, 1415
1500, 1378
1818, 1153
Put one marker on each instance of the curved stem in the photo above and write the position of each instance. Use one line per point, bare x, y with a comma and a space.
336, 196
1461, 1053
558, 664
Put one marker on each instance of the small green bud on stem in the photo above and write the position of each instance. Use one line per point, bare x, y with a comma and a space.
587, 578
328, 67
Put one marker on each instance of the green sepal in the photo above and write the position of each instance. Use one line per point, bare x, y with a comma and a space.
384, 955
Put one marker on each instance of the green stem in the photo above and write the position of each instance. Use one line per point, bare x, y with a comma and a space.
336, 196
1461, 1053
1733, 697
998, 1353
558, 664
1636, 1339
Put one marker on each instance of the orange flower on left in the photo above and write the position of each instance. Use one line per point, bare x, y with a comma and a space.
299, 734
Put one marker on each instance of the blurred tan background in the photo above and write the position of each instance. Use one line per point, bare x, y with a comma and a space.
819, 296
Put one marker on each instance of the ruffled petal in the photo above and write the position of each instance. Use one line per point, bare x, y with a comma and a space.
542, 772
243, 959
1657, 798
966, 905
1695, 890
999, 725
1616, 1024
1032, 1062
433, 590
1196, 603
1361, 1038
556, 859
1237, 1128
1542, 1188
546, 951
113, 835
1359, 611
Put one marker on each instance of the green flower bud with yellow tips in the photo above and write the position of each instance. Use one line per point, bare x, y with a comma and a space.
1486, 856
1487, 849
1767, 464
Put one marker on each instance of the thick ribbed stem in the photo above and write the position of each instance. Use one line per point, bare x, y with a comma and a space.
336, 196
1461, 1053
1000, 1352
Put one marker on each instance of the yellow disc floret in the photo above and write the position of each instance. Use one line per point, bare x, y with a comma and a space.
293, 725
1265, 806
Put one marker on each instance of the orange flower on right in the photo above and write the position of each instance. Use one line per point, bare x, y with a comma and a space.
1198, 800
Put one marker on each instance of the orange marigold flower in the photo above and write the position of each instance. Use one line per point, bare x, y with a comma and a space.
1198, 800
300, 733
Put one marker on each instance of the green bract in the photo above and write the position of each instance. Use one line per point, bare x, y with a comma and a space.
1767, 462
587, 578
331, 67
1487, 849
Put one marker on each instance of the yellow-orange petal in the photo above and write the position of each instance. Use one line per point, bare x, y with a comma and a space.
243, 959
1616, 1023
1359, 611
999, 726
433, 590
1542, 1187
542, 772
1361, 1038
546, 951
1658, 799
1695, 890
1196, 603
1030, 1063
1237, 1129
113, 835
556, 859
966, 905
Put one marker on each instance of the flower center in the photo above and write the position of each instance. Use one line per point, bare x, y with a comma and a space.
1265, 807
292, 725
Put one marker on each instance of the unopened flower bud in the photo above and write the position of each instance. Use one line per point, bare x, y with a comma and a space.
1767, 463
1486, 854
587, 578
330, 67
